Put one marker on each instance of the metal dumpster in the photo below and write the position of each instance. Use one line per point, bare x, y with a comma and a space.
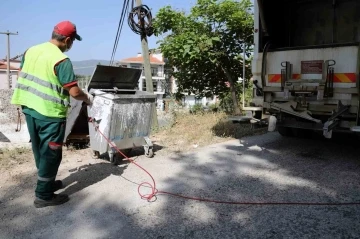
120, 112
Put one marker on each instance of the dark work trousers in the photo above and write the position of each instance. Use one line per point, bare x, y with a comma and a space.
46, 139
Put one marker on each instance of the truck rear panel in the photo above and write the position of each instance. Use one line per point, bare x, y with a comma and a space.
306, 62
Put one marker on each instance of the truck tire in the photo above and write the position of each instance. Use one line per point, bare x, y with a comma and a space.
284, 131
301, 133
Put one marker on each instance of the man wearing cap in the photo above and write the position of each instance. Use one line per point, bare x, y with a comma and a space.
44, 84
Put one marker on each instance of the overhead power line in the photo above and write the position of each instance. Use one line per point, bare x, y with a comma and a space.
120, 25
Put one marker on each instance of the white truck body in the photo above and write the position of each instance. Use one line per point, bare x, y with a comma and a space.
306, 64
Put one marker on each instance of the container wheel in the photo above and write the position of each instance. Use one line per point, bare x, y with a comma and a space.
95, 154
302, 133
112, 158
118, 158
150, 153
126, 152
115, 159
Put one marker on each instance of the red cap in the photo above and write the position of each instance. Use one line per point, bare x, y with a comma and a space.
68, 29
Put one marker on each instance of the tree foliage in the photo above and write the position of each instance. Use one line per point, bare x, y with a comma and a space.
82, 80
205, 46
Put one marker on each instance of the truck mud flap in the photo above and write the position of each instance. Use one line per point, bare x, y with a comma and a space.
289, 107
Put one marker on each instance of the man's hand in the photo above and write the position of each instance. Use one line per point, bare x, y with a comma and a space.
90, 99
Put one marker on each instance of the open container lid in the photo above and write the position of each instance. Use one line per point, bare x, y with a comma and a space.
108, 77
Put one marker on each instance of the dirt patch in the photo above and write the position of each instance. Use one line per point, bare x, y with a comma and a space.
10, 157
187, 133
190, 131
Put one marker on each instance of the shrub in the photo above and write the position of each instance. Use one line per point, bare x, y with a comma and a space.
197, 109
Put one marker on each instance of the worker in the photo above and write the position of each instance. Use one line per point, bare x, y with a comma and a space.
45, 81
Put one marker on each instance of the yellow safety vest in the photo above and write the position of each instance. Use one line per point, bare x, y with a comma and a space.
37, 86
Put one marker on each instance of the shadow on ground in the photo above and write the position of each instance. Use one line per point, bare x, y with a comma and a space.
266, 168
3, 138
88, 175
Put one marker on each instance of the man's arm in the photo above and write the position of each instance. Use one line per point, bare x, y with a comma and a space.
78, 94
21, 63
65, 72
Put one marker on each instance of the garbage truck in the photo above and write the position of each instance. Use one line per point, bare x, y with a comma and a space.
306, 66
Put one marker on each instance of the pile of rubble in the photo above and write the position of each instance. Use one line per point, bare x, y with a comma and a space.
11, 133
8, 112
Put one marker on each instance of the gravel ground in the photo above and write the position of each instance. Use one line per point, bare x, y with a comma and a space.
8, 112
105, 203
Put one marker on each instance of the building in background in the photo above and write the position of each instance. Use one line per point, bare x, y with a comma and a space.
162, 83
190, 100
14, 69
157, 72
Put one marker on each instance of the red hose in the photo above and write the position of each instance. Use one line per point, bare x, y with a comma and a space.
155, 191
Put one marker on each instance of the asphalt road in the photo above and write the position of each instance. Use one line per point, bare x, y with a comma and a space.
268, 168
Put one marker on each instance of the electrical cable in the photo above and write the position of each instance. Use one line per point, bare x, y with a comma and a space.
122, 23
117, 33
154, 191
141, 27
119, 29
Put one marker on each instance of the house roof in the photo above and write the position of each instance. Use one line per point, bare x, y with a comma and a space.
140, 59
11, 60
3, 66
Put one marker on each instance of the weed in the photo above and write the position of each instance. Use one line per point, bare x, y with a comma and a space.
193, 130
197, 109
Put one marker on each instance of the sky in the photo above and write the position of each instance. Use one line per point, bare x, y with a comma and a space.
96, 22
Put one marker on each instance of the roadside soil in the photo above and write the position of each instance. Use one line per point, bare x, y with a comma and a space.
185, 134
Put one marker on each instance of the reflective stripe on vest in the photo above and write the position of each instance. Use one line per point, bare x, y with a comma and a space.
42, 95
41, 82
44, 83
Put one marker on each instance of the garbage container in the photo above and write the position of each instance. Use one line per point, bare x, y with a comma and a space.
120, 112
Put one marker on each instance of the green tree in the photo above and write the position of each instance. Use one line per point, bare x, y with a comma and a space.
205, 46
82, 80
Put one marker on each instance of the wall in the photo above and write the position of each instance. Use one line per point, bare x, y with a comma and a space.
158, 87
13, 74
189, 100
3, 79
158, 56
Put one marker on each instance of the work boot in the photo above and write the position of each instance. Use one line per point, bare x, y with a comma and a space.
58, 185
57, 199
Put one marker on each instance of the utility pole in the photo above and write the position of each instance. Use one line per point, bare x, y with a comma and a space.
8, 55
243, 98
147, 66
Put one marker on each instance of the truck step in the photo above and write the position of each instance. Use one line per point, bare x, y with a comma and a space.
355, 129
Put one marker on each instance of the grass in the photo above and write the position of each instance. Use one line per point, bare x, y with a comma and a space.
10, 157
190, 131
